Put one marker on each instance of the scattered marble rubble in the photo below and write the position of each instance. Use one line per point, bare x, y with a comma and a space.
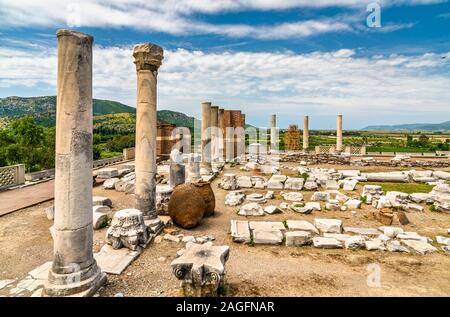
330, 233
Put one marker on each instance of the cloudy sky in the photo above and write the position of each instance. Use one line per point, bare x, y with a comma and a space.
290, 57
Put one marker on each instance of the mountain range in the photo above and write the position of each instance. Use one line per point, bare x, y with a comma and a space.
444, 126
111, 115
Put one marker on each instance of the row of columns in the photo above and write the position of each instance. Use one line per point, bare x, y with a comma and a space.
215, 132
74, 270
274, 137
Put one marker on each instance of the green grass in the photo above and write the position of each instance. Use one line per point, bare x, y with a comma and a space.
408, 188
105, 155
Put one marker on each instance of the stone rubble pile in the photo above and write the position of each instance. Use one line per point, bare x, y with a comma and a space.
331, 234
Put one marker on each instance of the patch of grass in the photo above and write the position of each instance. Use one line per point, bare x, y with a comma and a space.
301, 205
285, 224
433, 208
105, 155
408, 188
363, 199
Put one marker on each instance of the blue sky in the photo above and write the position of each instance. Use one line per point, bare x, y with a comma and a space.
291, 57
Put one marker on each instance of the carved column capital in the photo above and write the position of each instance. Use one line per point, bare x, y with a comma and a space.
148, 56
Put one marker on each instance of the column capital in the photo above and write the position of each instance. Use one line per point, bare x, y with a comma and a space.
148, 56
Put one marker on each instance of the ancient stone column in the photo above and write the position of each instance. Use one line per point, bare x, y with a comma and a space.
147, 58
220, 120
305, 133
206, 138
74, 270
273, 132
214, 133
339, 133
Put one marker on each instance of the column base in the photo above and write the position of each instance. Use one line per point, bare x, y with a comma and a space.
155, 225
60, 285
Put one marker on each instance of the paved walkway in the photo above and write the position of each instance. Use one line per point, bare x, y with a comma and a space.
12, 200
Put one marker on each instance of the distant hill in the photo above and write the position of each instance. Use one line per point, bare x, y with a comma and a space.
444, 126
108, 115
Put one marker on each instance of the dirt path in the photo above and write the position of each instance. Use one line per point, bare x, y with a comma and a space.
25, 243
15, 199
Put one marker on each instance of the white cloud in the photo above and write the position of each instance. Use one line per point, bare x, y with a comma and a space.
320, 83
179, 17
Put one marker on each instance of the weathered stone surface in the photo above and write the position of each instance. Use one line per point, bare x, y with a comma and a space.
298, 238
302, 225
313, 205
276, 182
301, 208
99, 219
421, 247
331, 184
294, 183
395, 246
442, 175
244, 182
270, 194
110, 183
252, 209
114, 261
353, 204
408, 235
342, 237
234, 198
108, 172
362, 231
387, 177
310, 185
443, 240
256, 198
272, 210
267, 236
201, 268
127, 230
328, 225
441, 194
354, 242
205, 190
349, 184
320, 196
266, 225
374, 244
240, 231
422, 198
326, 243
101, 201
333, 205
292, 196
372, 191
349, 173
50, 212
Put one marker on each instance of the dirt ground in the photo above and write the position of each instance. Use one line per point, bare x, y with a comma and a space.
25, 243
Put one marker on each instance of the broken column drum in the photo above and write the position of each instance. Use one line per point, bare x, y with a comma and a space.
74, 270
147, 58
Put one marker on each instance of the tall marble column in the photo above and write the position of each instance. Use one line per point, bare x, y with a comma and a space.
74, 270
339, 133
206, 138
305, 133
214, 133
222, 129
147, 58
273, 132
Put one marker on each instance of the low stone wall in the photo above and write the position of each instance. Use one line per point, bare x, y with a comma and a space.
12, 175
129, 154
50, 173
346, 160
